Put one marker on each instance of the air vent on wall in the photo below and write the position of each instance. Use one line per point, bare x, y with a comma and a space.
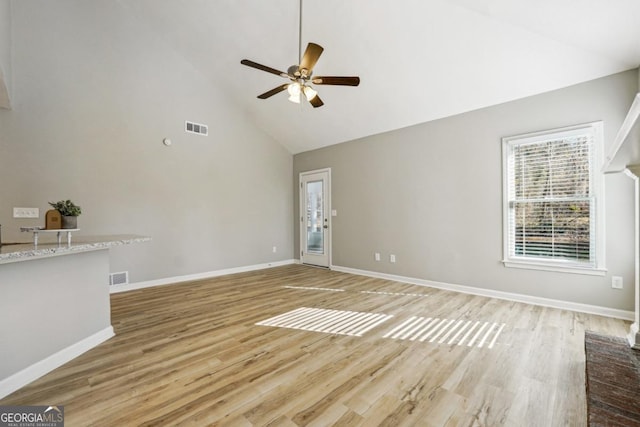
121, 278
196, 128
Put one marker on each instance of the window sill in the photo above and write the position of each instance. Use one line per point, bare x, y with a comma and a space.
572, 269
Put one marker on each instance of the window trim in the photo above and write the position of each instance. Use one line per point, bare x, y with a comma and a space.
597, 178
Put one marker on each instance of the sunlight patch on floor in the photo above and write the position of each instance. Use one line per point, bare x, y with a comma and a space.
339, 322
393, 293
308, 288
448, 331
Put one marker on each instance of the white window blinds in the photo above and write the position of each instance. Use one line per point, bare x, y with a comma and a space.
551, 206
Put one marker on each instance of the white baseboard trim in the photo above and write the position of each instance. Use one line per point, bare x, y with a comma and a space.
38, 369
197, 276
509, 296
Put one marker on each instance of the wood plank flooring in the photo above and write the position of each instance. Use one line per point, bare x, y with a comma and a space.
191, 354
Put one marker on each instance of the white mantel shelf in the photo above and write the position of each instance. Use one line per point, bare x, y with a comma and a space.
625, 150
29, 251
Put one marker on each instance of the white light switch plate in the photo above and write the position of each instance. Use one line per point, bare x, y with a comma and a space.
26, 213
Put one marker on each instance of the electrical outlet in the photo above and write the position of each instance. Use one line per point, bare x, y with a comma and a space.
616, 282
392, 258
26, 213
275, 249
376, 256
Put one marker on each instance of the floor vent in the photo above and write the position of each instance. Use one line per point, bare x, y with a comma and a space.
121, 278
192, 127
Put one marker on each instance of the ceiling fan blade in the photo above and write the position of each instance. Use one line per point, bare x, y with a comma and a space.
333, 80
310, 57
273, 91
316, 102
263, 68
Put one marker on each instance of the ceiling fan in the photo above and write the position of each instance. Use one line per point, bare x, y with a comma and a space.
300, 76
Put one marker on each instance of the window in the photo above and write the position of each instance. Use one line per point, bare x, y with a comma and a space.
553, 200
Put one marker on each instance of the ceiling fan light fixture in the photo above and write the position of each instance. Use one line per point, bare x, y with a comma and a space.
310, 93
294, 92
294, 89
295, 98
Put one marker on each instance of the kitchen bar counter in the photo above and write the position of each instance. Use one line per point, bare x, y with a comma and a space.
29, 251
54, 304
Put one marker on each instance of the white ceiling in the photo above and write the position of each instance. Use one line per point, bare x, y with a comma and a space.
418, 60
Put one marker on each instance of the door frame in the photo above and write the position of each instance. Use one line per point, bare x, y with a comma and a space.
302, 210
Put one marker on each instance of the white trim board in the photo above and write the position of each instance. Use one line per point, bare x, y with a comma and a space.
38, 369
509, 296
197, 276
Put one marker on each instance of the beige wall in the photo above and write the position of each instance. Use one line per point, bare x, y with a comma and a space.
5, 53
432, 195
95, 93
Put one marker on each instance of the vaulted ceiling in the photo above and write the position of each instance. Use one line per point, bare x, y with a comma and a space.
418, 60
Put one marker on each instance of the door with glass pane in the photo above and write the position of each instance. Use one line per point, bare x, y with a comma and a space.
315, 236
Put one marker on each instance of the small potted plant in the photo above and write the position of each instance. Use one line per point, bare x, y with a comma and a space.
69, 212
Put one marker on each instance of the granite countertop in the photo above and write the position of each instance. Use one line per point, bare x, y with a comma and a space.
28, 251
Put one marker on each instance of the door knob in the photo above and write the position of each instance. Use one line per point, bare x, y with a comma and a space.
325, 226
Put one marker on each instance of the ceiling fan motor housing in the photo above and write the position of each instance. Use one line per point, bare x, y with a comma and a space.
293, 71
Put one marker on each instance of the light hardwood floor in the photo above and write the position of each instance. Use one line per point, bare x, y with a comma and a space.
191, 354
